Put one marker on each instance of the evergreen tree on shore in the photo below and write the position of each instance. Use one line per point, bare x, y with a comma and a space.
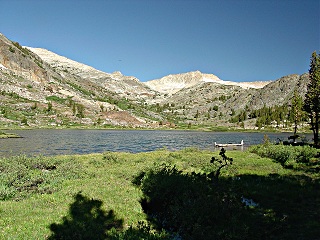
296, 111
312, 97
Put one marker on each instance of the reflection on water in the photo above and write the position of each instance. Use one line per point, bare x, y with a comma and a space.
64, 142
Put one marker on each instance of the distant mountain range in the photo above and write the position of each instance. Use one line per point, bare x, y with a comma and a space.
42, 89
174, 83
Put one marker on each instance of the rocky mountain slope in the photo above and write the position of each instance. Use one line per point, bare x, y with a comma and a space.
125, 86
39, 88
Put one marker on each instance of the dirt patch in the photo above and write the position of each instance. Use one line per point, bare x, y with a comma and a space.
122, 118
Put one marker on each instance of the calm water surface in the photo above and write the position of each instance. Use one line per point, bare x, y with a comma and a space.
61, 142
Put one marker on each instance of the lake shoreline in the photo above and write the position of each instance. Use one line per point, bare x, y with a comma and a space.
194, 129
84, 141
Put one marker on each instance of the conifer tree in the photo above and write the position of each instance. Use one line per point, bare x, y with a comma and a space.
312, 97
296, 111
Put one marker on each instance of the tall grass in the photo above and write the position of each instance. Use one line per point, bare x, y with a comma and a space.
40, 192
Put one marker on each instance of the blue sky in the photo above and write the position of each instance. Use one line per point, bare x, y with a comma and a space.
238, 40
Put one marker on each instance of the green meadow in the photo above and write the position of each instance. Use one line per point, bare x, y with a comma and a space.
160, 195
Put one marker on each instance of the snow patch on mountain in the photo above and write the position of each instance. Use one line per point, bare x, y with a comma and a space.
173, 83
3, 67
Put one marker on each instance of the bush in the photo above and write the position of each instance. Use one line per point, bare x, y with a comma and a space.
20, 176
110, 156
11, 49
6, 192
305, 154
279, 153
24, 121
56, 99
189, 205
283, 153
142, 231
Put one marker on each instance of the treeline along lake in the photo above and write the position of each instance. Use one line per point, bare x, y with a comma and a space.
65, 142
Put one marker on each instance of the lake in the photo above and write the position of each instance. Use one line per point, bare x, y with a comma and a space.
66, 142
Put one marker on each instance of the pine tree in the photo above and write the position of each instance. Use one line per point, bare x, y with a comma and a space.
49, 109
312, 97
197, 114
296, 111
80, 110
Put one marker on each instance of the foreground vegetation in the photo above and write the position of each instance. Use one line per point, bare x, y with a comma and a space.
162, 195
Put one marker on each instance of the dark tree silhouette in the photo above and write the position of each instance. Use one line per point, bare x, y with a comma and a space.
189, 205
296, 112
226, 161
86, 220
312, 100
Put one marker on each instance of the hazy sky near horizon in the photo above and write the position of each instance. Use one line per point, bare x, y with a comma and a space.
237, 40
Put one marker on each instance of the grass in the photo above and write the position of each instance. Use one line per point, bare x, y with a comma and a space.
34, 205
56, 99
8, 135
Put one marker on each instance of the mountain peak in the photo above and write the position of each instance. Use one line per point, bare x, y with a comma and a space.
57, 61
175, 82
31, 78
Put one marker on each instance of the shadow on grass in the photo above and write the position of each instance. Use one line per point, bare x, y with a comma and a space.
86, 220
194, 208
295, 199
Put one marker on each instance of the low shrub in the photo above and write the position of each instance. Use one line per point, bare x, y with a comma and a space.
279, 153
284, 154
189, 205
305, 154
110, 156
142, 231
56, 99
20, 175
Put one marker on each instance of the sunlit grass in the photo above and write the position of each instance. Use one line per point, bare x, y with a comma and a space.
107, 177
